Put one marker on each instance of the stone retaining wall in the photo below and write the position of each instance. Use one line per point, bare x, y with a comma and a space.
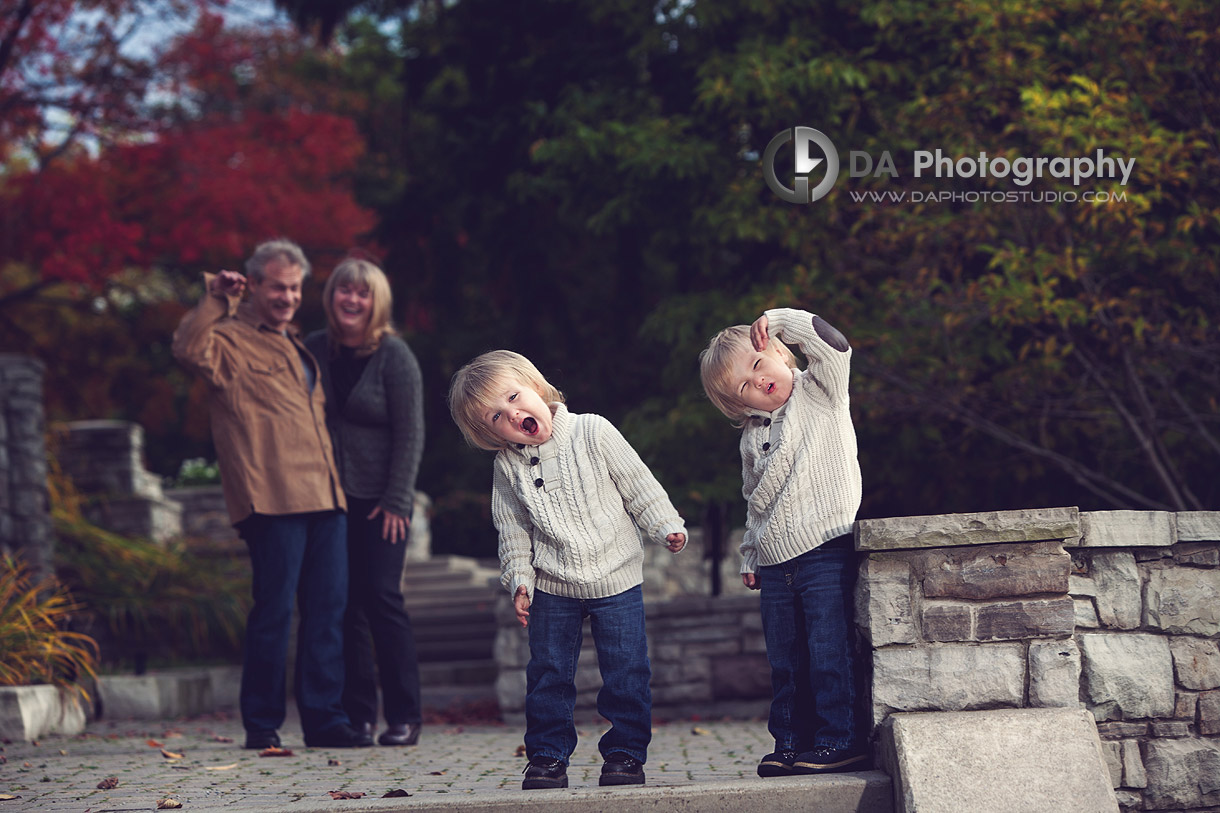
1117, 612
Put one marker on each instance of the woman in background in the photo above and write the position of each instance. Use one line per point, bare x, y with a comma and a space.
374, 410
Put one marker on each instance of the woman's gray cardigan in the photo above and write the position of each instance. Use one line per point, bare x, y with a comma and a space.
378, 436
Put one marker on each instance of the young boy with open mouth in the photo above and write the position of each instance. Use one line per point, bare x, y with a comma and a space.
571, 500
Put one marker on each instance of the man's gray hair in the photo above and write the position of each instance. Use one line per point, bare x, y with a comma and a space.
279, 249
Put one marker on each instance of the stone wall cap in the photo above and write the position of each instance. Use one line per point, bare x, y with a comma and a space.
1127, 529
982, 528
1198, 526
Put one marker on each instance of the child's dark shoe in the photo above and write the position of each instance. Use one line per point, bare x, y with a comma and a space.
824, 759
544, 772
621, 769
777, 764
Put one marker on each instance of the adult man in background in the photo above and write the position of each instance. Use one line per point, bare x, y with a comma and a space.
281, 489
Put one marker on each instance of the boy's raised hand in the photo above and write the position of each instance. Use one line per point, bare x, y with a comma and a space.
521, 605
675, 542
758, 333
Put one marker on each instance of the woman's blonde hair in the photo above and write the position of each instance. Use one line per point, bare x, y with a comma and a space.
716, 364
475, 385
357, 272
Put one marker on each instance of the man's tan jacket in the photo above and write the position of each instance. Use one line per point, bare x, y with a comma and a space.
269, 429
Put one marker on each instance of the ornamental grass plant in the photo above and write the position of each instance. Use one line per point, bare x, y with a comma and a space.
37, 645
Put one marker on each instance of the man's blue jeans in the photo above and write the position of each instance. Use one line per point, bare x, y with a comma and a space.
625, 698
301, 556
806, 614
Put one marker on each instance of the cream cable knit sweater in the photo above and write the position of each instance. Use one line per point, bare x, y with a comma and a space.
802, 487
568, 511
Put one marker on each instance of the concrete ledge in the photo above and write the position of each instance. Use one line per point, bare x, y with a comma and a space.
1001, 761
30, 712
168, 694
985, 528
865, 792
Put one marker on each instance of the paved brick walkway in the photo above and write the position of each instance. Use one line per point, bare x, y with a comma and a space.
214, 772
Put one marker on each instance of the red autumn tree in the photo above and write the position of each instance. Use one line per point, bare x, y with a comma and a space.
104, 234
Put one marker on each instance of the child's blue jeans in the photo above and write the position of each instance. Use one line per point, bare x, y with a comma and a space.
625, 698
806, 614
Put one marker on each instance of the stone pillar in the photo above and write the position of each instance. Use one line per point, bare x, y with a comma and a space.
105, 460
25, 513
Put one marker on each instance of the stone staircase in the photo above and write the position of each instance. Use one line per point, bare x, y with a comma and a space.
452, 602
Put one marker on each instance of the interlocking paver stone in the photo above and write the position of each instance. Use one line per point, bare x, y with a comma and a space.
61, 774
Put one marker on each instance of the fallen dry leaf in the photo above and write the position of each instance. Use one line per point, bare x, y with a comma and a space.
698, 730
343, 794
333, 762
3, 759
436, 773
220, 767
397, 793
108, 783
170, 754
520, 752
219, 738
26, 765
34, 743
7, 797
168, 804
153, 744
276, 752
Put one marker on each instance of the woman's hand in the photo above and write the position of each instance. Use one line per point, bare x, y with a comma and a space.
393, 527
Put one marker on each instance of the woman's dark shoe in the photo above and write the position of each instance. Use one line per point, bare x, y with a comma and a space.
261, 740
340, 736
400, 734
365, 729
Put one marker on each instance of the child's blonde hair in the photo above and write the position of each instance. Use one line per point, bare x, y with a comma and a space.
716, 363
473, 387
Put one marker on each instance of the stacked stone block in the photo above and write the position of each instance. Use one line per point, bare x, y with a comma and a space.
25, 519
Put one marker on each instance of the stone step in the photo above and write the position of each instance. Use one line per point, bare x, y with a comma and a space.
459, 676
438, 580
864, 792
472, 596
